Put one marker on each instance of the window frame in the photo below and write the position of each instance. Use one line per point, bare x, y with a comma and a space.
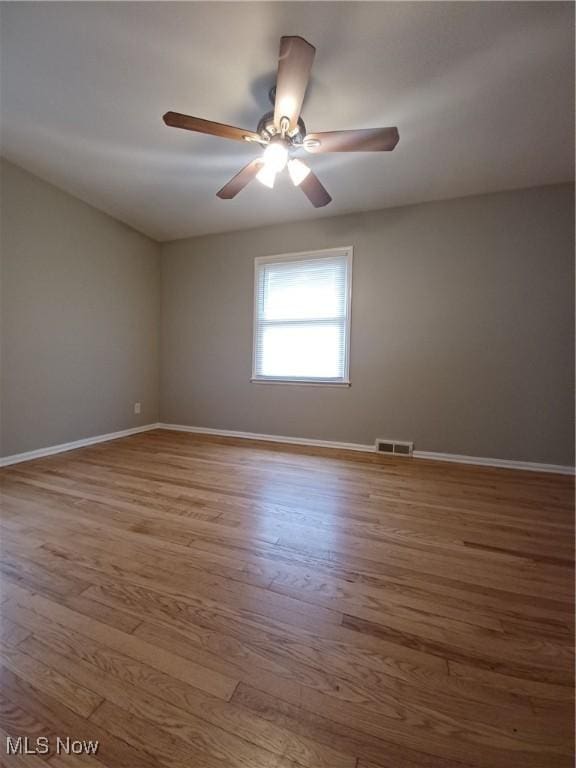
348, 252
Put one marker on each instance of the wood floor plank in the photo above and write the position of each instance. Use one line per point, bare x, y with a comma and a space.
170, 750
339, 735
65, 760
62, 721
338, 657
233, 604
16, 721
80, 700
36, 612
533, 658
371, 677
124, 685
11, 634
513, 684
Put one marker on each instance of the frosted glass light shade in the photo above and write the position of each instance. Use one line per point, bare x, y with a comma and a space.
298, 171
275, 156
266, 176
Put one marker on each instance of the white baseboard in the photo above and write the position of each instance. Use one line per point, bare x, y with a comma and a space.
449, 457
527, 466
52, 449
268, 438
430, 455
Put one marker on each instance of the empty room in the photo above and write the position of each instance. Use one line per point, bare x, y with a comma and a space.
287, 384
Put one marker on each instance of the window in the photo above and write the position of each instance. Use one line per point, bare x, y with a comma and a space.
302, 317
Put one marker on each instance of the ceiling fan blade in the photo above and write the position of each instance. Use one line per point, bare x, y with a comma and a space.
364, 140
189, 123
294, 65
314, 190
242, 179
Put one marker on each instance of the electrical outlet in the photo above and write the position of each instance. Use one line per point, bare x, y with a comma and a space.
137, 407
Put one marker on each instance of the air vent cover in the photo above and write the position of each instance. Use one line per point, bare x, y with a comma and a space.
394, 447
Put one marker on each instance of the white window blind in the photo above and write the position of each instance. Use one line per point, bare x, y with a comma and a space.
302, 317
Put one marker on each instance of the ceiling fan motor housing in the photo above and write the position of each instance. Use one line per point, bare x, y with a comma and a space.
267, 128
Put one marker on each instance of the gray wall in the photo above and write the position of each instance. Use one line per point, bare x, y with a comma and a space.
462, 329
462, 325
79, 315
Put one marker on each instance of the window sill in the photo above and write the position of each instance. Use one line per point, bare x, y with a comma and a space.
302, 382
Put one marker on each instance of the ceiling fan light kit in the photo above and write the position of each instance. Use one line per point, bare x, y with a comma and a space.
282, 133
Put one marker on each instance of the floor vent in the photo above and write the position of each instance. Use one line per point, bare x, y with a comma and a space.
395, 447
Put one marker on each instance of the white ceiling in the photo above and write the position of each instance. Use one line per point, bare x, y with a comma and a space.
482, 94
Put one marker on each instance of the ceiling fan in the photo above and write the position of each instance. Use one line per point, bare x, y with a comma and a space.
282, 132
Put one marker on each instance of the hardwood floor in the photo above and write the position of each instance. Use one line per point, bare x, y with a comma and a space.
206, 603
